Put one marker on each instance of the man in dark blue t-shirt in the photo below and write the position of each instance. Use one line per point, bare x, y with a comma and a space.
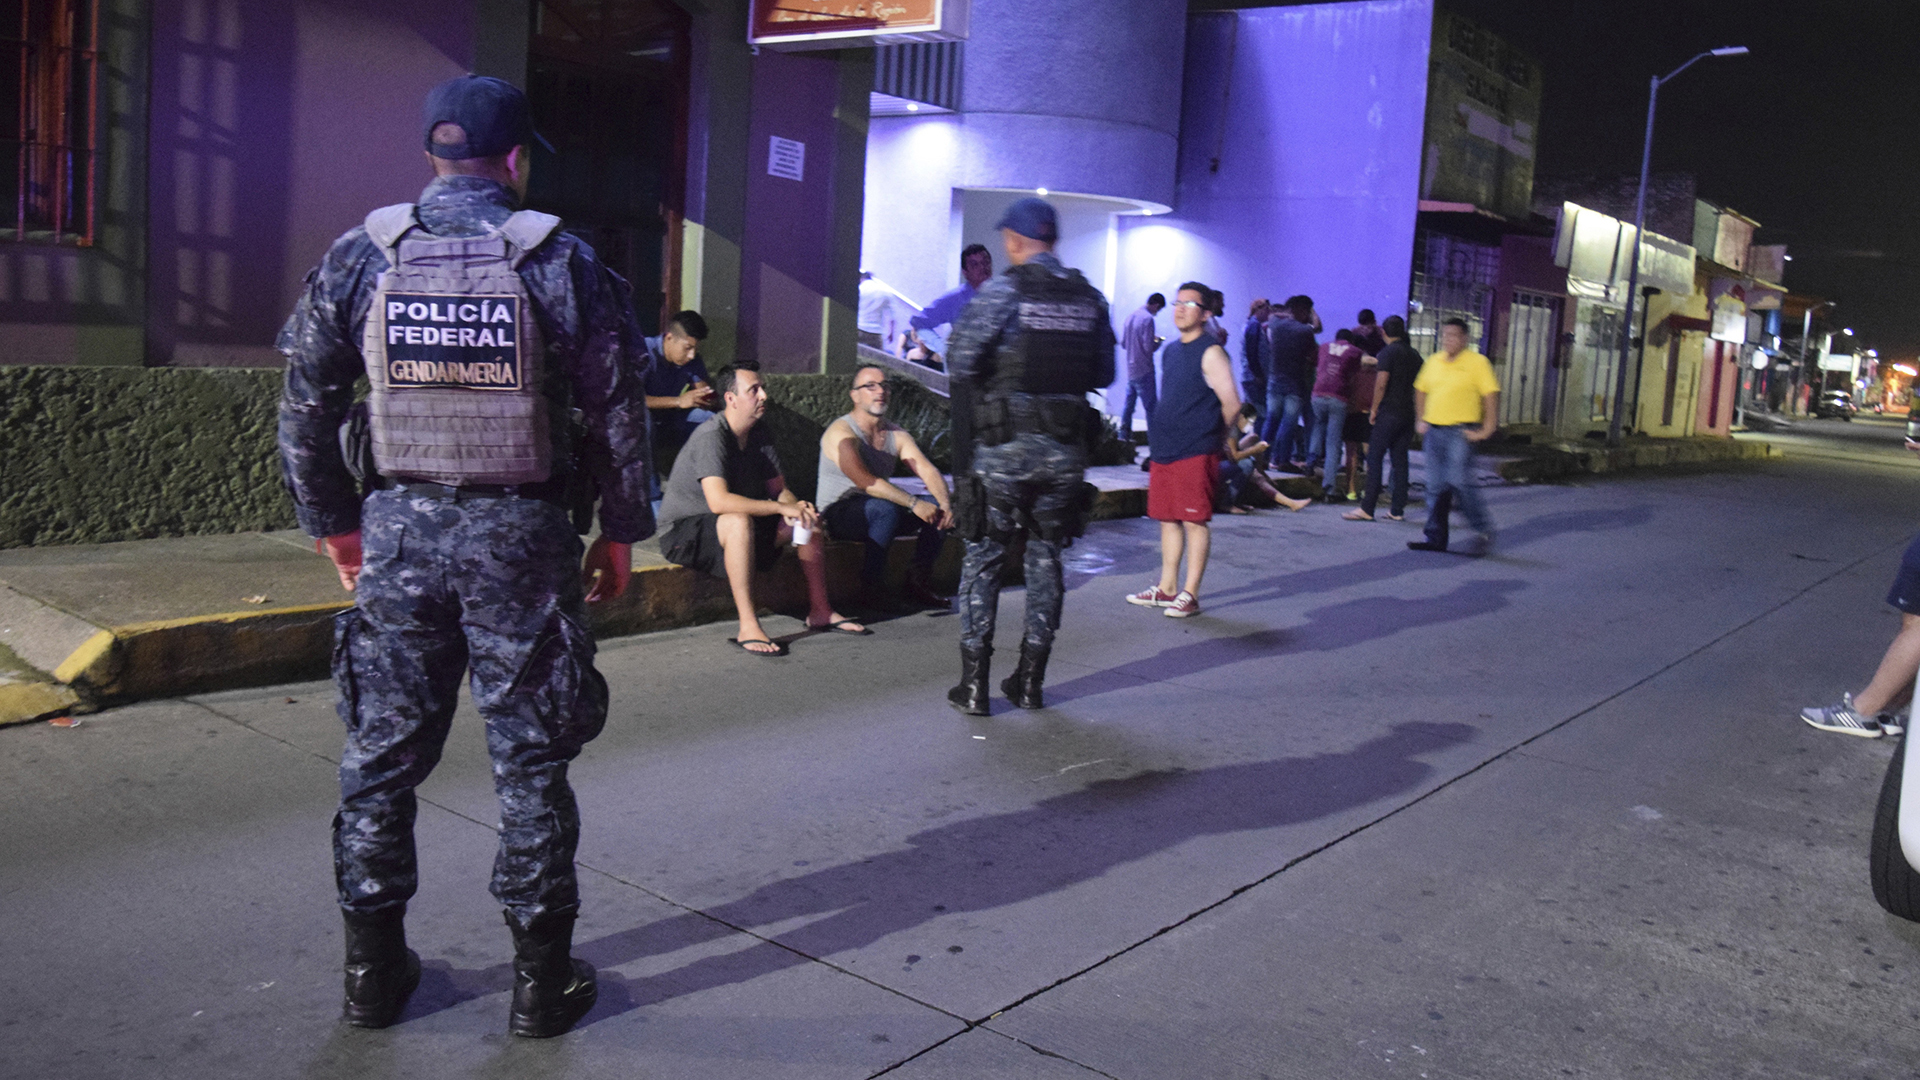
679, 391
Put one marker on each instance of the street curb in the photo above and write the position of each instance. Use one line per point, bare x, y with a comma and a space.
25, 702
1570, 459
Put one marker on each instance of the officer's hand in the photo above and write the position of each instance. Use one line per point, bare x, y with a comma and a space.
608, 567
344, 550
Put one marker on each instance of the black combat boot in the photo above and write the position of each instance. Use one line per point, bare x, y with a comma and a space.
381, 971
970, 697
551, 990
1023, 686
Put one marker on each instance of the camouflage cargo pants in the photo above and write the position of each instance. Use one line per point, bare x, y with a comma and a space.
486, 585
1030, 481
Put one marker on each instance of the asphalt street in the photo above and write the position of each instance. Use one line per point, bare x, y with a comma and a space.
1375, 813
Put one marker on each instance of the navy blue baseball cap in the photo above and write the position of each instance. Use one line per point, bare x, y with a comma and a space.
493, 112
1032, 218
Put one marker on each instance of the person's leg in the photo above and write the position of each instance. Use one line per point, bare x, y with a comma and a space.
1473, 502
813, 566
1398, 444
534, 684
1292, 434
737, 540
1173, 543
1376, 450
1126, 410
1198, 537
1270, 422
1330, 416
1356, 450
883, 523
1317, 435
1440, 448
1149, 398
1898, 668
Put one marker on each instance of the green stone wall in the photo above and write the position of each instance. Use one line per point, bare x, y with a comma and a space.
91, 455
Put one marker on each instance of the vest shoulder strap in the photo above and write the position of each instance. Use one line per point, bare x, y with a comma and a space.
526, 230
387, 225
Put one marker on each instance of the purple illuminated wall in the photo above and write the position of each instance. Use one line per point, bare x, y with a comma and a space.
1299, 161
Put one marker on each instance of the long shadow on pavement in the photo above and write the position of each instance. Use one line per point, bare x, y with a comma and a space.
1328, 629
1394, 564
979, 865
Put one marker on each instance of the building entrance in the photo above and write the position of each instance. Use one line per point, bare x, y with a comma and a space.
608, 83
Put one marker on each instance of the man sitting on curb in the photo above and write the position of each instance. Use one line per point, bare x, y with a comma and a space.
728, 511
679, 392
858, 453
1198, 406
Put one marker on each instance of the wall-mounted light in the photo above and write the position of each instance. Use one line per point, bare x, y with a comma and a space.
913, 106
1042, 191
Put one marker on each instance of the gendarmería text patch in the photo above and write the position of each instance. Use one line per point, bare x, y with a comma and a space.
459, 342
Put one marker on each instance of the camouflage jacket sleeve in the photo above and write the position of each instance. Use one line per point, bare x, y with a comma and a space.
1105, 369
602, 340
979, 329
323, 362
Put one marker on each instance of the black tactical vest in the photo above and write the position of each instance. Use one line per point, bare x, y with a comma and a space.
1054, 346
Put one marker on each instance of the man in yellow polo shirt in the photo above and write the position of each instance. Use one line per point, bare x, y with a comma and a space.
1457, 401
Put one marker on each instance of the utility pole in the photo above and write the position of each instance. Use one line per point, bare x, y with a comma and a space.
1639, 232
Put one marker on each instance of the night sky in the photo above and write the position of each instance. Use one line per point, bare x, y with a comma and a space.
1815, 134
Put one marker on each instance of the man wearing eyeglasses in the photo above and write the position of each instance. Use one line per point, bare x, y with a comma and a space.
859, 453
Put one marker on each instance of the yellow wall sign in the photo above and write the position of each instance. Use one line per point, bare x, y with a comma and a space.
837, 24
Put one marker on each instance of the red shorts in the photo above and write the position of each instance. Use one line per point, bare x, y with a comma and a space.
1183, 490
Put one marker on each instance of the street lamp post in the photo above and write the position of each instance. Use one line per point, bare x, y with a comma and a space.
1639, 230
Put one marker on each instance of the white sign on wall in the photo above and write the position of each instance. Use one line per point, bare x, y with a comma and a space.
787, 158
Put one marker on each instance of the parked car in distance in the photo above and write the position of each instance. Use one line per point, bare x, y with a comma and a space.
1835, 403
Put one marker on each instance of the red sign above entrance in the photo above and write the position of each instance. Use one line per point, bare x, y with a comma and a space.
839, 24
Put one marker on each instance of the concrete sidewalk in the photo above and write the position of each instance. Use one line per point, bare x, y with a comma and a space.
97, 624
1374, 813
91, 625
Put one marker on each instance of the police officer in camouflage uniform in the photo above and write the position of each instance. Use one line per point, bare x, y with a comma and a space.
1022, 358
505, 367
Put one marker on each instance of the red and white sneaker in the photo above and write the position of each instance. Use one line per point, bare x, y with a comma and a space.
1152, 596
1183, 606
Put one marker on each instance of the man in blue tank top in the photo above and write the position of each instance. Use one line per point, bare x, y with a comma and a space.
1198, 406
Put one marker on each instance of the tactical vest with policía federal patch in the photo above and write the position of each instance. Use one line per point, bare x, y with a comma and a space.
454, 354
1056, 342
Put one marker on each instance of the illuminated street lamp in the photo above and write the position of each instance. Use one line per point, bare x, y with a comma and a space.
1639, 231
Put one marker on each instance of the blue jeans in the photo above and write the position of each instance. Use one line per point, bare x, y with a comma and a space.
1450, 480
1142, 391
1283, 424
1329, 422
875, 522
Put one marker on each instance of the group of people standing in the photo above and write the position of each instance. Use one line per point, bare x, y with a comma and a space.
1366, 392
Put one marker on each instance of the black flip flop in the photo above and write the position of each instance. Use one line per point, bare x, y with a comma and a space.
779, 649
839, 626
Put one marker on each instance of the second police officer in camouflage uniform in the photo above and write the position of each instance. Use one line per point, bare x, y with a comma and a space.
1022, 358
487, 337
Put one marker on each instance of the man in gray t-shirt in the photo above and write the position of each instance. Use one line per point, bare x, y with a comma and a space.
727, 511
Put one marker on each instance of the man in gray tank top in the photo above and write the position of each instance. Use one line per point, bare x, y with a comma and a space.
858, 454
